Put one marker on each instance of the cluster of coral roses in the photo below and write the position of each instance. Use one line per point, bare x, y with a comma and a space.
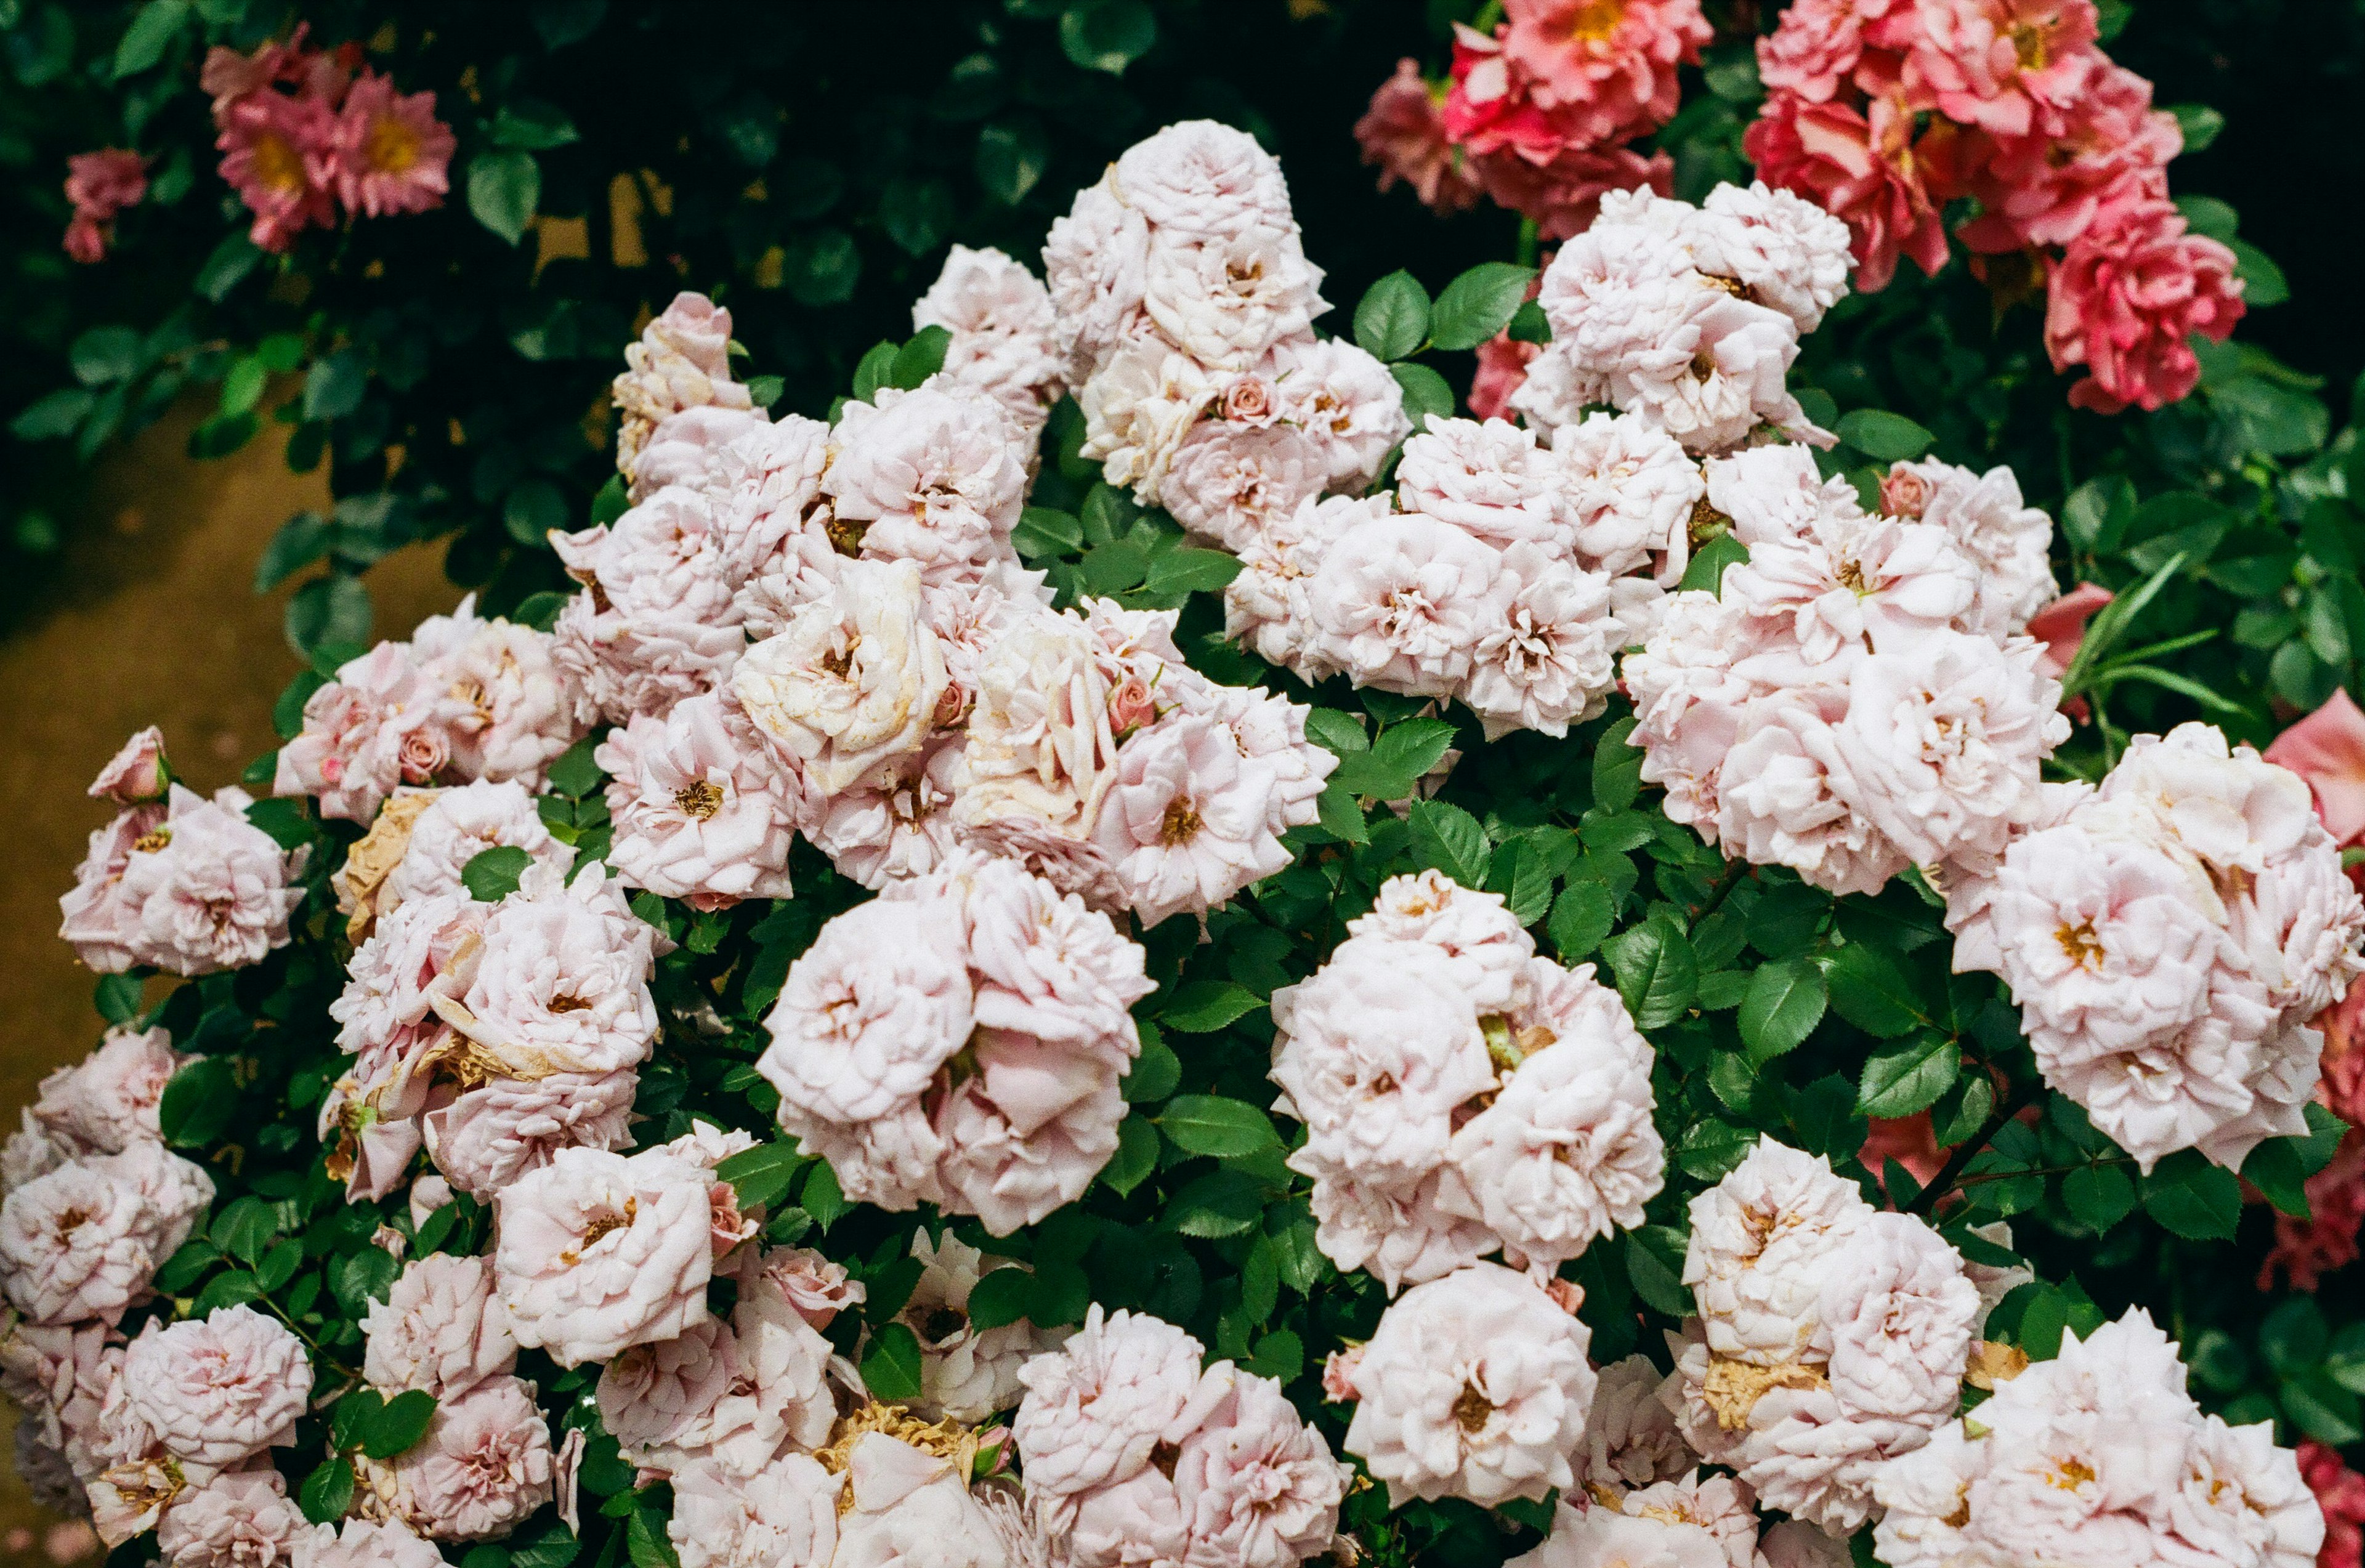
1538, 114
1885, 111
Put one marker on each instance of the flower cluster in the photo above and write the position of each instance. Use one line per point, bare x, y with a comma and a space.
1860, 697
305, 132
1831, 1339
2171, 937
176, 881
1184, 307
1540, 113
1461, 1095
2097, 1456
1887, 111
494, 1034
1133, 1453
961, 1041
100, 185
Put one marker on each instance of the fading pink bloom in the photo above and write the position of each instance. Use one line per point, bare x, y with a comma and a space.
2007, 66
137, 773
2340, 1493
2327, 749
2307, 1249
1606, 67
388, 152
1564, 193
275, 154
1867, 168
1404, 135
2124, 301
100, 184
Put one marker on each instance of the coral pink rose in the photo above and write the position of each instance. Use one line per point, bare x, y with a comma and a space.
1605, 68
100, 184
2047, 190
276, 151
2007, 66
2327, 749
2124, 301
2305, 1251
1404, 135
1502, 370
2340, 1493
388, 152
1876, 175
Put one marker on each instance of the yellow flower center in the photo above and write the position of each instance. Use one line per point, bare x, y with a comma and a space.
278, 165
2083, 948
155, 839
700, 800
391, 147
1596, 20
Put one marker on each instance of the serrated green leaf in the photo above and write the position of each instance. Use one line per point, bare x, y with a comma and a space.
1478, 304
1870, 991
397, 1427
1882, 436
890, 1370
1202, 1007
1225, 1202
1209, 1123
1656, 971
2198, 1201
504, 189
327, 1492
2099, 1195
1785, 1000
491, 875
1581, 917
761, 1176
1449, 838
1392, 320
1189, 570
1425, 393
1900, 1083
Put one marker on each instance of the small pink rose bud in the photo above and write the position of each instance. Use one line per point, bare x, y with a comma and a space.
1249, 402
137, 773
424, 754
1567, 1294
1904, 493
1130, 707
1339, 1375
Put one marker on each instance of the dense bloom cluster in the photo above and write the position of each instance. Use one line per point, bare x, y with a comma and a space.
2098, 1456
1135, 1454
305, 132
961, 1041
2171, 937
1461, 1095
495, 1034
1831, 1339
1885, 111
1184, 309
1860, 697
100, 185
1540, 113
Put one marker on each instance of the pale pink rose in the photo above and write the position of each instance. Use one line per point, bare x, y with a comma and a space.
1887, 183
1402, 603
1138, 406
100, 916
1489, 950
1229, 483
137, 772
1259, 1487
1489, 481
932, 477
440, 1328
389, 151
662, 561
349, 754
1783, 801
851, 683
219, 1390
787, 1513
108, 1101
1664, 1538
2006, 540
909, 1508
483, 1467
1474, 1386
1763, 1242
1206, 180
966, 1373
1343, 400
682, 361
2124, 301
1095, 261
598, 1252
2007, 66
628, 664
561, 984
869, 1012
1096, 1409
818, 1287
240, 1520
1003, 332
1630, 1439
1625, 493
1186, 822
702, 812
1395, 1229
1401, 133
1028, 1135
209, 889
1226, 300
1046, 966
84, 1241
460, 823
57, 1376
898, 825
1785, 250
737, 1393
1608, 71
508, 708
1552, 659
682, 448
359, 1544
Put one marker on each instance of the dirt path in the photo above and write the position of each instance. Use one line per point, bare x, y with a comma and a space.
155, 620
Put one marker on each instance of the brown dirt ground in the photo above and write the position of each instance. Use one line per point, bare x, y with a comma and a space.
153, 620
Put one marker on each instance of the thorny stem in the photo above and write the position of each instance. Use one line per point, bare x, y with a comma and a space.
1730, 878
1950, 1173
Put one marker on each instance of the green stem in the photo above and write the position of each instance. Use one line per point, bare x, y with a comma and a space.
1531, 240
1734, 870
1950, 1174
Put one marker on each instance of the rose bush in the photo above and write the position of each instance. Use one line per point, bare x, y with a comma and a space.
841, 1120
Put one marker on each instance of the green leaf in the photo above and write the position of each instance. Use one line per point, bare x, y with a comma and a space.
761, 1176
1656, 971
1060, 1295
1202, 1007
575, 773
2198, 1201
824, 1198
1279, 1355
999, 1297
1209, 1123
1870, 991
644, 1534
1223, 1203
1882, 436
1425, 393
491, 875
920, 358
1155, 1072
397, 1427
1712, 1147
1392, 321
244, 1228
823, 266
1108, 35
1654, 1266
2275, 1168
1581, 917
301, 541
555, 1547
334, 386
227, 266
1136, 1155
352, 1416
504, 189
2322, 1409
1449, 838
1900, 1083
891, 1370
1478, 304
107, 354
532, 126
562, 22
360, 1278
152, 31
117, 998
327, 1492
1705, 571
1617, 768
2262, 281
2199, 123
1191, 571
1784, 1002
2294, 1336
1043, 532
2099, 1196
1012, 159
197, 1102
533, 511
56, 415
